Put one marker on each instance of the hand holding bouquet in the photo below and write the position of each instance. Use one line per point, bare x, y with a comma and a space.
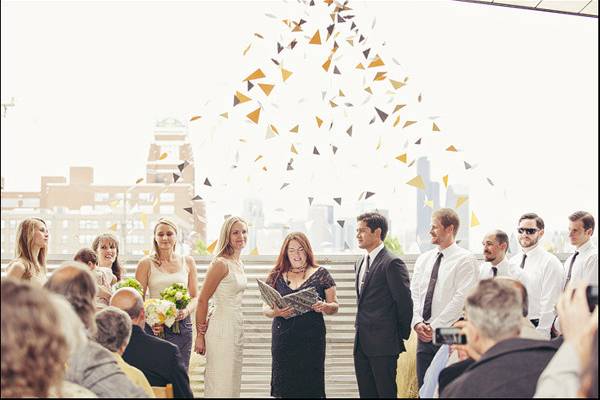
160, 312
178, 295
129, 282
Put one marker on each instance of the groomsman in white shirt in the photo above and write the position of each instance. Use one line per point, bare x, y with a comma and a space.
495, 246
583, 264
540, 271
441, 281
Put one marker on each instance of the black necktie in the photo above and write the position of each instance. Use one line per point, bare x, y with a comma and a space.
523, 261
362, 282
495, 271
431, 288
570, 269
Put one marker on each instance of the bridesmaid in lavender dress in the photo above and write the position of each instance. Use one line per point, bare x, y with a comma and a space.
162, 269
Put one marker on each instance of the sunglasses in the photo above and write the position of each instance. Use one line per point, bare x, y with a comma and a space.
529, 231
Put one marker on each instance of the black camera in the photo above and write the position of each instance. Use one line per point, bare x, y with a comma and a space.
591, 293
450, 336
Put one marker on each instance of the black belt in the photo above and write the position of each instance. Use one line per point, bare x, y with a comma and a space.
535, 322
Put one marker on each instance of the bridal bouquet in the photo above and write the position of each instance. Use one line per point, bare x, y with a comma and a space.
129, 282
160, 312
178, 295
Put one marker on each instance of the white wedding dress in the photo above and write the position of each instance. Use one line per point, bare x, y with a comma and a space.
225, 336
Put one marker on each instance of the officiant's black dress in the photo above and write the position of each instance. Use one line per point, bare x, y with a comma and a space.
298, 345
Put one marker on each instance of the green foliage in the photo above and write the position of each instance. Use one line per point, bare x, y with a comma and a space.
129, 282
176, 294
393, 245
200, 248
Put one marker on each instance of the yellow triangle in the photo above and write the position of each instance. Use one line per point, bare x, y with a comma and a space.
332, 104
474, 220
461, 200
319, 121
341, 93
402, 157
360, 66
451, 148
445, 179
225, 115
409, 123
429, 203
397, 121
144, 219
163, 156
326, 64
417, 182
254, 252
380, 76
350, 41
274, 129
254, 115
435, 128
255, 75
266, 88
212, 246
113, 227
293, 149
398, 106
285, 74
195, 117
316, 39
295, 129
241, 98
396, 84
258, 158
368, 89
377, 62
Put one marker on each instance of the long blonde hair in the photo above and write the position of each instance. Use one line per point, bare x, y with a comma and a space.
155, 253
24, 247
224, 248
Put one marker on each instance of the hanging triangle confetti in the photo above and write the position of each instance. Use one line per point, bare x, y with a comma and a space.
285, 74
316, 39
239, 98
417, 182
409, 123
266, 88
435, 128
402, 158
255, 75
474, 220
445, 179
338, 200
461, 200
451, 148
254, 115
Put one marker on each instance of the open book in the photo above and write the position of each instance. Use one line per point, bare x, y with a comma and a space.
300, 301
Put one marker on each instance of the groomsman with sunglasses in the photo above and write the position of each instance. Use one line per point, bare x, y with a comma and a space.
540, 272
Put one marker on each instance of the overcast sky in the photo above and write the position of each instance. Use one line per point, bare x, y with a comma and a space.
516, 91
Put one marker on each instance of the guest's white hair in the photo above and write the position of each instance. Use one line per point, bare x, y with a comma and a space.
70, 323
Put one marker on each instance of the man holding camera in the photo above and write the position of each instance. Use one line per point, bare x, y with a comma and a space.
441, 280
505, 364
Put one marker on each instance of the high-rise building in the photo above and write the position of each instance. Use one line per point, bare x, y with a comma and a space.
254, 215
77, 210
428, 200
320, 227
452, 195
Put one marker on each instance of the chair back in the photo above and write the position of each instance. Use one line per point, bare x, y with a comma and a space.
163, 392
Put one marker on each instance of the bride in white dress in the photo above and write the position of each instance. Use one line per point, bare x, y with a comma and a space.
223, 341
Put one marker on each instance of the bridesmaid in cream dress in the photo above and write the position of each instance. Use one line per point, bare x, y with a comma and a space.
31, 248
223, 340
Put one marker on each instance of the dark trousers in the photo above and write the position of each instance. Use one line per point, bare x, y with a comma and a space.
376, 376
425, 353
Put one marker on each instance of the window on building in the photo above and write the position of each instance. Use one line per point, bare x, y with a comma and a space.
165, 210
167, 197
31, 203
146, 197
101, 197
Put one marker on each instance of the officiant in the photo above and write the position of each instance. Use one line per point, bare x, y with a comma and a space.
298, 343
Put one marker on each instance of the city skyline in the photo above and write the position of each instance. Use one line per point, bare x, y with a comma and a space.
502, 125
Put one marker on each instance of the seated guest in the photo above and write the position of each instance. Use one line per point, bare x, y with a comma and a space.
508, 366
34, 352
459, 360
103, 275
158, 359
564, 376
92, 366
76, 337
113, 332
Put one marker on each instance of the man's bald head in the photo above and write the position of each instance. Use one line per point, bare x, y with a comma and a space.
128, 300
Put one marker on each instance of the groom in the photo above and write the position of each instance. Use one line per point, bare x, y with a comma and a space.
384, 310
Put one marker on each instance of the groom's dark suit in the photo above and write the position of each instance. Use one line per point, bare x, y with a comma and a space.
383, 320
